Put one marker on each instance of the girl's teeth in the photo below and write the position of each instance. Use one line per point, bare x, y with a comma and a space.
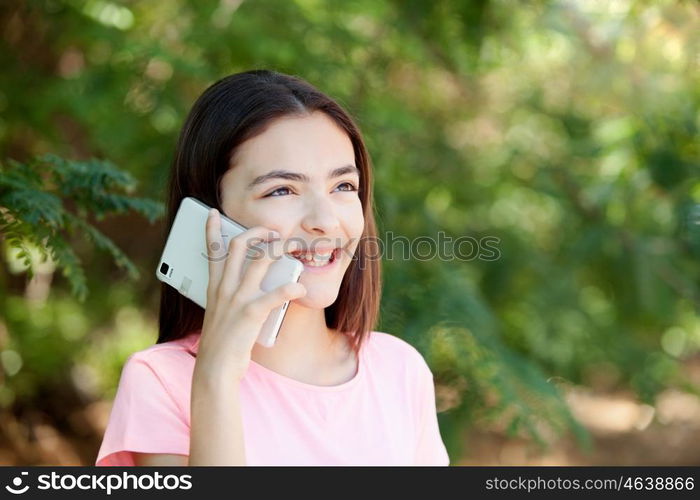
315, 260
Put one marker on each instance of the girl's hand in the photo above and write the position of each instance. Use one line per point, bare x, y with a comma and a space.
236, 305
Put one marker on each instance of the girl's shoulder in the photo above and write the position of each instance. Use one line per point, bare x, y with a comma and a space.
165, 358
389, 350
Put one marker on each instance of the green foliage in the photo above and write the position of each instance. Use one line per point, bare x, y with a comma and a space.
33, 199
566, 130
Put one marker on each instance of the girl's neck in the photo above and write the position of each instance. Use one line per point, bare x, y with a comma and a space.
304, 343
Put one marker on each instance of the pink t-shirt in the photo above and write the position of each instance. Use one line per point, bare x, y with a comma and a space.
384, 415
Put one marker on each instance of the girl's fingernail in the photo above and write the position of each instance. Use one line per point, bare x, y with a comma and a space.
212, 212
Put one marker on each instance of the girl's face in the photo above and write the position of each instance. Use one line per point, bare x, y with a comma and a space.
299, 178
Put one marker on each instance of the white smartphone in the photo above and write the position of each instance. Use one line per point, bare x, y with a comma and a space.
184, 264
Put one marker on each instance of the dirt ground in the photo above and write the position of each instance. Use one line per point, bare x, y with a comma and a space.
623, 432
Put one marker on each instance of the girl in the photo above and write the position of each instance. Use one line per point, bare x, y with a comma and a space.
275, 154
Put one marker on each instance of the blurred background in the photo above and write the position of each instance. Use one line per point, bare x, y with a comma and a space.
567, 130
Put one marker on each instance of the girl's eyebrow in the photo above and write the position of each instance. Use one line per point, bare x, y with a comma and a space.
294, 176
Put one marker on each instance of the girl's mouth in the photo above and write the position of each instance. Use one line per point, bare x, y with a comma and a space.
320, 261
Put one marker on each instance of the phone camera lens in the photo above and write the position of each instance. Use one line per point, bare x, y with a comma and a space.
164, 268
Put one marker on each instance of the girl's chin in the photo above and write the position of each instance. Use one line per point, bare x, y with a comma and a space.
316, 300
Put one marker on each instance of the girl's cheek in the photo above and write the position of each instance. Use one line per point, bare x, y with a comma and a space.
357, 221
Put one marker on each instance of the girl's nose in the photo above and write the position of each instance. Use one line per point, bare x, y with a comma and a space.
320, 217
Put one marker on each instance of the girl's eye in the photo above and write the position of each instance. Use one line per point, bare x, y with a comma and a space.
352, 186
271, 193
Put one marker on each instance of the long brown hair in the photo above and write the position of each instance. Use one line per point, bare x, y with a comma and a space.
229, 112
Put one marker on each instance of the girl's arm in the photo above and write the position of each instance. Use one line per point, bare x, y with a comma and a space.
216, 435
236, 310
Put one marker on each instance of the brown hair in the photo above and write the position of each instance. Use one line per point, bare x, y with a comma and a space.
229, 112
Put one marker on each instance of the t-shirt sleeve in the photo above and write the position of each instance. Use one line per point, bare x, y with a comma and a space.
430, 449
144, 418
